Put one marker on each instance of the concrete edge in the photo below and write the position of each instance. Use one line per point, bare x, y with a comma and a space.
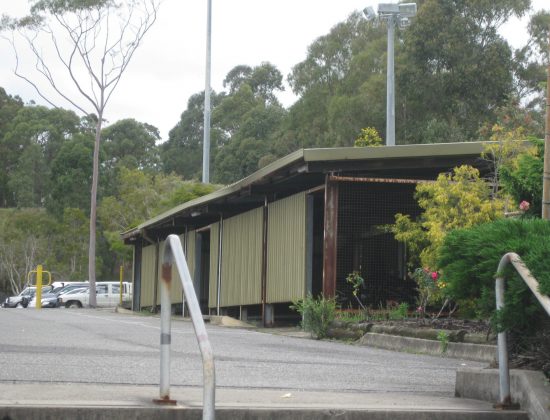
531, 389
467, 351
187, 413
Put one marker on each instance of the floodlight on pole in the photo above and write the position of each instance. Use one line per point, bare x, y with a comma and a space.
207, 110
393, 14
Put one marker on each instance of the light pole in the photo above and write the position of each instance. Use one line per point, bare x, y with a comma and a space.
393, 14
206, 136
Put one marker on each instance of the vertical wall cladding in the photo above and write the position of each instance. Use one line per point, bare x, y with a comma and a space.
242, 259
214, 251
147, 275
176, 289
286, 249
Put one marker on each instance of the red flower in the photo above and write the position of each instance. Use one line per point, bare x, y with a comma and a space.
434, 275
524, 205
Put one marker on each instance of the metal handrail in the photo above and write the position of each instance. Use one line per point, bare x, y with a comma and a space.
173, 251
533, 284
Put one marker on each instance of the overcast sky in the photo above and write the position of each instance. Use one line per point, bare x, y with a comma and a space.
170, 64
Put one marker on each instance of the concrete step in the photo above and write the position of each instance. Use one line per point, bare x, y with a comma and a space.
271, 413
49, 401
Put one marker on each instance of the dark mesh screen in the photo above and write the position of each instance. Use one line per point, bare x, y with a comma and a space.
364, 207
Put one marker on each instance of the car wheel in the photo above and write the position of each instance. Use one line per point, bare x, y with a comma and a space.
74, 304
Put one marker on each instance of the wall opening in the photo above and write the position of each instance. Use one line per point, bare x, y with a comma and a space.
366, 247
202, 286
316, 215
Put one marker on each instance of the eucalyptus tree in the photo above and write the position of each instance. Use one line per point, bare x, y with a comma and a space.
456, 68
130, 144
246, 118
91, 43
30, 141
182, 152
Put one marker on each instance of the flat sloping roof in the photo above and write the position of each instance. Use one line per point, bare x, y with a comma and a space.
298, 162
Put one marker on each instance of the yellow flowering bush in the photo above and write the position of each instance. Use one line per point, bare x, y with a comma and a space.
460, 199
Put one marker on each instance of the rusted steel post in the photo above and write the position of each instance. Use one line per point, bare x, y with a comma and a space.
264, 260
330, 238
165, 334
173, 252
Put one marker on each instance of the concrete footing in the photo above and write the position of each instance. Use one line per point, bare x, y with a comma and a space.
529, 389
467, 351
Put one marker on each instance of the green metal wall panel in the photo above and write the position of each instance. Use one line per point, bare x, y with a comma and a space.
147, 275
214, 251
242, 259
286, 249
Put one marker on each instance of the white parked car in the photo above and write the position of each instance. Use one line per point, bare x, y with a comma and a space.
107, 295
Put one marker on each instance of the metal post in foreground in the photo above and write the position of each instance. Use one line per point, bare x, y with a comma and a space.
504, 373
173, 252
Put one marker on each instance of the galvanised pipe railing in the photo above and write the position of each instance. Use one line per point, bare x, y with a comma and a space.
173, 252
532, 283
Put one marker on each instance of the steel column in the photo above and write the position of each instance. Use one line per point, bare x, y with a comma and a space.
330, 238
264, 260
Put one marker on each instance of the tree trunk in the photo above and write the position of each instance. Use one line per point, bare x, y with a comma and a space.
93, 211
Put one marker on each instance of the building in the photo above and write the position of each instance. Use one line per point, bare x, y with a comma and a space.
299, 225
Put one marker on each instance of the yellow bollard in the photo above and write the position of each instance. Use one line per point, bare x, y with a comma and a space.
121, 277
39, 287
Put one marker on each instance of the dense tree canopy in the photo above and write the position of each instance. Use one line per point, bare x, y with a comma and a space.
456, 77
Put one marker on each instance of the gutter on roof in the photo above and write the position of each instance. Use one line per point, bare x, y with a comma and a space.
314, 155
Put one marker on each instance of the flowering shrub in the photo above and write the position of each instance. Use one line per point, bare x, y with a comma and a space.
457, 200
429, 288
524, 205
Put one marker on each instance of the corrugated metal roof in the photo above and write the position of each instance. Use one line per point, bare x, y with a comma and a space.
339, 154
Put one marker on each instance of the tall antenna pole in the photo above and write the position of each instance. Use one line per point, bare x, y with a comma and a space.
206, 138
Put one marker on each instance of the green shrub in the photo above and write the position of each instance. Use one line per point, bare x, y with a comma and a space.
443, 338
469, 259
522, 179
400, 312
317, 314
